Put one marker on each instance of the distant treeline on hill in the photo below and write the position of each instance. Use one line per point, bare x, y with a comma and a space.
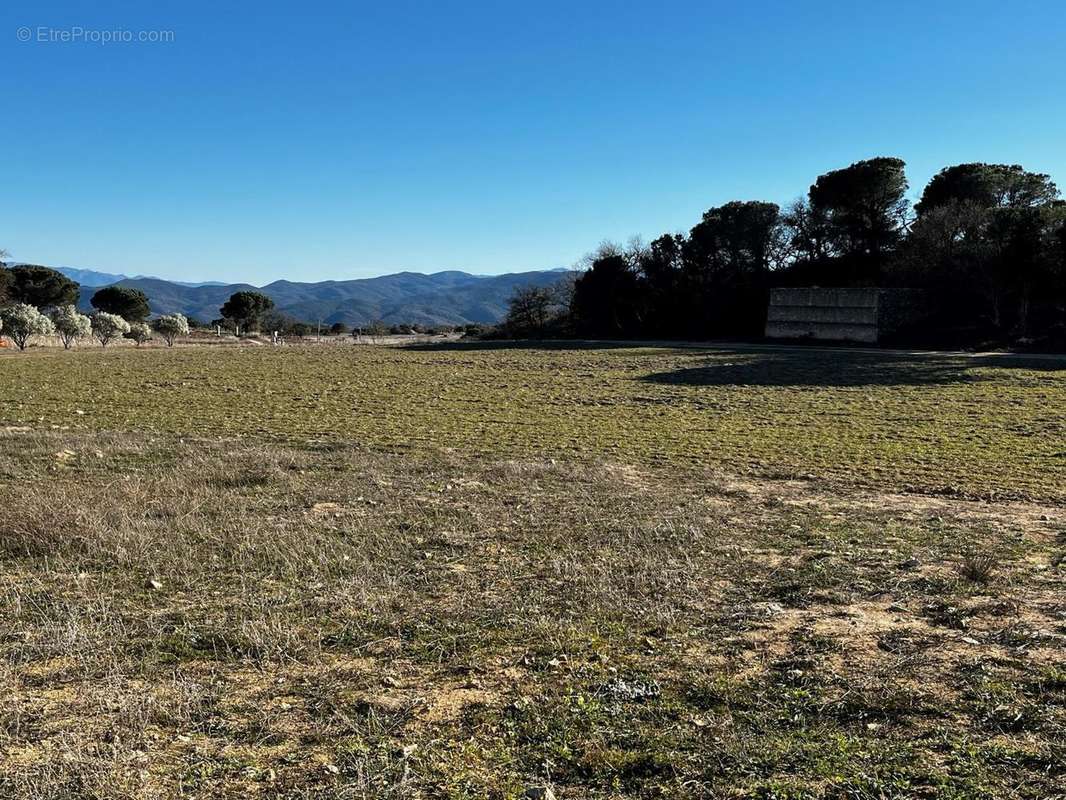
987, 243
39, 301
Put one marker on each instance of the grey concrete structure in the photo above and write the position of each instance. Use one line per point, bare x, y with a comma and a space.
843, 315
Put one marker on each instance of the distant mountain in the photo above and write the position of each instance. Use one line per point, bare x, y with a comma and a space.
443, 298
90, 277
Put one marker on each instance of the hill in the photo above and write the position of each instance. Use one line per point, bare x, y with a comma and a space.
90, 277
442, 298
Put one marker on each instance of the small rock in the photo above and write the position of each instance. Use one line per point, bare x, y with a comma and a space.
623, 690
332, 769
153, 584
539, 793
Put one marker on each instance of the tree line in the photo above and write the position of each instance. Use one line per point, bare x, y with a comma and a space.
40, 301
987, 243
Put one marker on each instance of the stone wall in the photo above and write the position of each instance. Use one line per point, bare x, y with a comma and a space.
844, 315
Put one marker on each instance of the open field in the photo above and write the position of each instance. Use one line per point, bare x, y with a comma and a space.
461, 572
936, 425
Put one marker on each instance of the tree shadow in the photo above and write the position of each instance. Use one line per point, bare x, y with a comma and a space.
841, 369
528, 344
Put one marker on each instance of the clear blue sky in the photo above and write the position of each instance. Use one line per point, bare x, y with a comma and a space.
321, 140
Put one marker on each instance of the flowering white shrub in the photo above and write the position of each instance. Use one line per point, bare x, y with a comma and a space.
71, 325
107, 327
171, 326
22, 322
139, 332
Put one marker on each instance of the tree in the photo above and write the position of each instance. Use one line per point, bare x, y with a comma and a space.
338, 329
41, 287
245, 308
108, 327
1023, 268
71, 325
865, 208
5, 283
725, 263
130, 304
984, 242
139, 332
733, 240
376, 330
987, 186
530, 310
608, 298
807, 233
171, 326
22, 322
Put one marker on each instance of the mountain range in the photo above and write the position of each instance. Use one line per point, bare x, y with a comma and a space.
441, 298
92, 278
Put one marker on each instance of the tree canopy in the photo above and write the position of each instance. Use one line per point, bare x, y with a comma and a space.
988, 245
987, 186
22, 322
107, 327
864, 208
245, 308
128, 303
71, 325
171, 326
41, 287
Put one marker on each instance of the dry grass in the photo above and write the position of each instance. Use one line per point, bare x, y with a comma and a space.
331, 621
954, 426
196, 616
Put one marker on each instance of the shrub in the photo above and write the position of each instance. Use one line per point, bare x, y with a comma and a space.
979, 567
107, 327
22, 322
171, 326
71, 325
139, 332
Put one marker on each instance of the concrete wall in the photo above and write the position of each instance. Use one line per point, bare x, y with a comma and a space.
848, 315
843, 315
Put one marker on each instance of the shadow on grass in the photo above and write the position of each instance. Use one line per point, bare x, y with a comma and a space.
747, 365
838, 369
530, 344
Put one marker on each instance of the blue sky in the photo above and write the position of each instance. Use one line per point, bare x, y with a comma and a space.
324, 140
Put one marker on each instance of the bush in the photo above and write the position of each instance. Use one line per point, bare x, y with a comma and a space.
71, 325
107, 327
22, 322
171, 326
139, 332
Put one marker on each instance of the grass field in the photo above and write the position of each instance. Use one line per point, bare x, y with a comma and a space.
936, 425
464, 572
